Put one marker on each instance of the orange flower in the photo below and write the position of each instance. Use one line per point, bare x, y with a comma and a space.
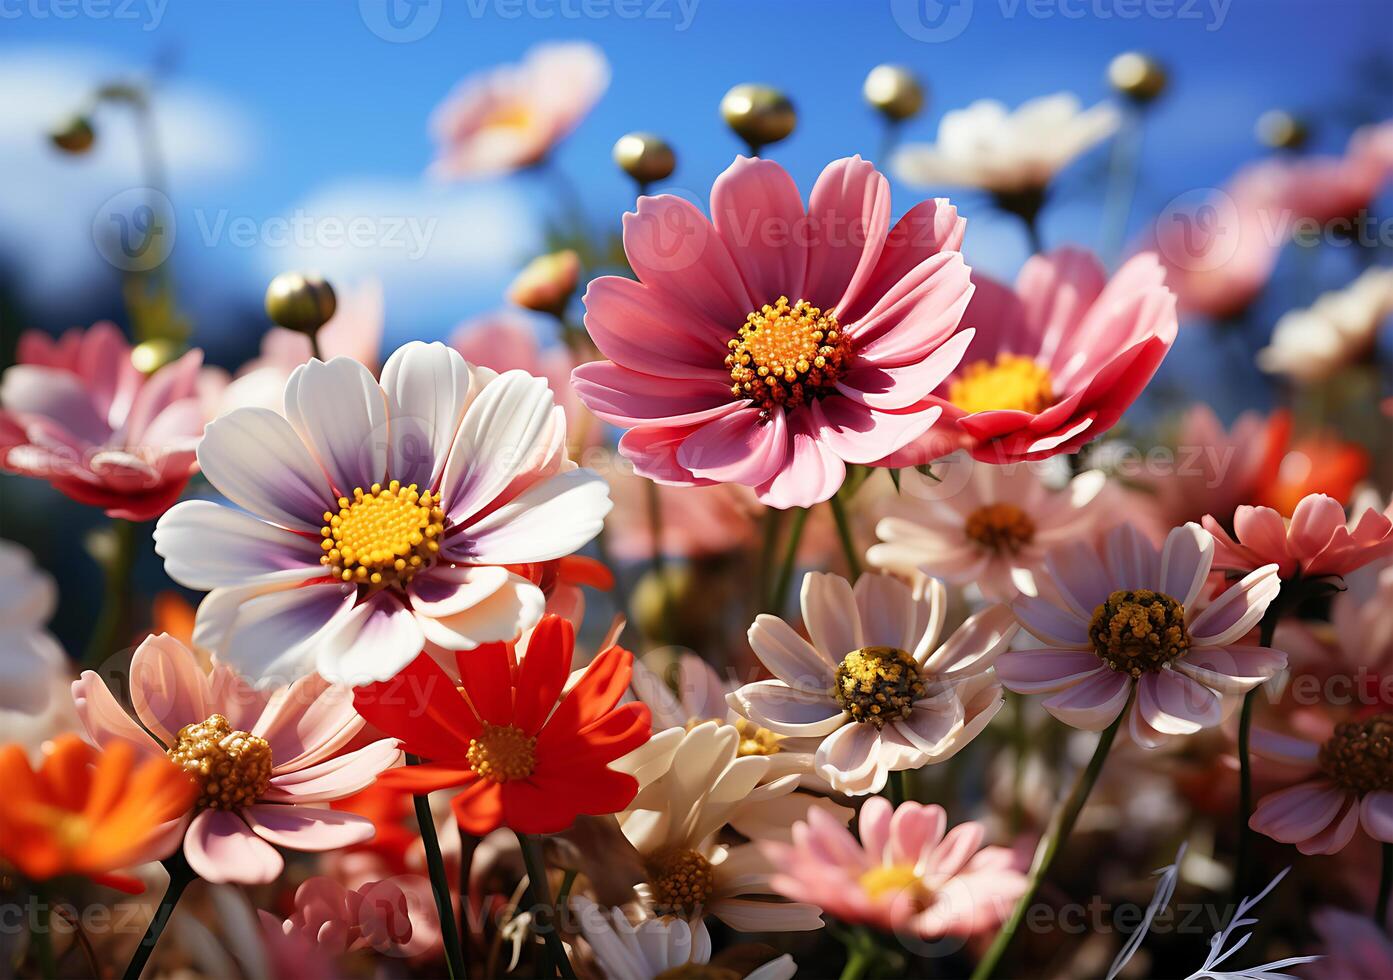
88, 811
1319, 463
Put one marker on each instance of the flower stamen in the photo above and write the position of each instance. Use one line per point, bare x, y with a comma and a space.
876, 685
232, 768
1359, 756
787, 355
382, 536
1138, 630
1000, 528
503, 753
682, 881
1012, 381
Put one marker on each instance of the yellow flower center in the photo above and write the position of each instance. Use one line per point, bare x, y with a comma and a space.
1012, 381
1002, 528
682, 881
1139, 630
1359, 756
891, 880
755, 740
876, 685
232, 768
502, 753
382, 536
787, 355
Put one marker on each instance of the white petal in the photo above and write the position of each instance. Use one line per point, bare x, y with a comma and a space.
341, 413
274, 638
256, 460
428, 387
208, 546
555, 518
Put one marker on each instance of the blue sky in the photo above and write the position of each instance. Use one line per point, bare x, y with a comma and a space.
280, 105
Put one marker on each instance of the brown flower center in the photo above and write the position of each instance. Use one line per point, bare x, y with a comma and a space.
787, 355
1359, 756
876, 685
682, 881
1138, 630
699, 971
1001, 528
502, 753
382, 536
232, 768
1012, 381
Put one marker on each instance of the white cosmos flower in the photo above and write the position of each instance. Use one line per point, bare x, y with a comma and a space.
1338, 330
372, 521
693, 783
654, 947
872, 684
31, 661
988, 146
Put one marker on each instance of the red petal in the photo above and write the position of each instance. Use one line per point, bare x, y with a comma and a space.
422, 707
488, 681
479, 808
543, 672
598, 690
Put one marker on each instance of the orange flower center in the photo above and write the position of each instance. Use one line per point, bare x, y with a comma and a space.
232, 768
1002, 528
1138, 630
682, 881
787, 355
382, 536
876, 685
1359, 756
502, 753
1012, 381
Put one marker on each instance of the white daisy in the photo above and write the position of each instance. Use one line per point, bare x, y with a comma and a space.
873, 685
31, 661
376, 519
1339, 329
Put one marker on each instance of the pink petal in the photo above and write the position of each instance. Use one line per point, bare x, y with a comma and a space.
1133, 562
928, 228
1046, 671
787, 711
1093, 703
168, 689
105, 721
1285, 749
1051, 624
1238, 610
222, 848
864, 435
303, 828
631, 326
737, 448
334, 778
956, 849
1174, 704
915, 830
849, 215
674, 250
1337, 834
848, 759
1299, 812
1233, 669
1316, 520
1185, 562
811, 473
626, 398
788, 656
1376, 814
307, 722
758, 213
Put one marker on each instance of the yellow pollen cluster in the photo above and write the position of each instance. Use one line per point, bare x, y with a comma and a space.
1138, 630
755, 740
1002, 528
502, 753
382, 536
233, 768
876, 685
787, 355
891, 880
682, 881
1012, 381
1359, 756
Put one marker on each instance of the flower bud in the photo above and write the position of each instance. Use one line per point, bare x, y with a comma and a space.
300, 301
546, 283
759, 114
74, 135
894, 92
1281, 130
645, 157
1138, 76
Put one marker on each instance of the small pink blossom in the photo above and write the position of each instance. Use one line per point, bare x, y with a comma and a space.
339, 920
281, 755
906, 875
1353, 946
77, 413
1316, 541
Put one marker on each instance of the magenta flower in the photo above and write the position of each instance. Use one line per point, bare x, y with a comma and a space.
905, 876
1316, 542
265, 760
1127, 616
1056, 361
77, 413
779, 343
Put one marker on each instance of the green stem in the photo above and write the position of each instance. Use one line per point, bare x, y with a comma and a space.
1385, 888
439, 883
541, 898
1061, 825
857, 963
853, 561
1243, 860
1020, 748
180, 876
113, 622
41, 935
778, 598
895, 788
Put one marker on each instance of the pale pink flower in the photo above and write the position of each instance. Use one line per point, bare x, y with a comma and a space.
906, 875
696, 521
1354, 650
779, 343
339, 920
1219, 253
1320, 188
511, 116
77, 413
266, 761
1353, 946
1094, 654
1315, 542
993, 530
1056, 361
873, 686
1336, 786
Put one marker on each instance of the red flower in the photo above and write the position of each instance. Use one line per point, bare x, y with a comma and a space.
522, 759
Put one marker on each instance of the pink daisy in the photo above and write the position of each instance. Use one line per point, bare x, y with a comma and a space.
905, 876
1057, 360
1127, 618
1340, 785
77, 413
774, 345
1316, 541
266, 761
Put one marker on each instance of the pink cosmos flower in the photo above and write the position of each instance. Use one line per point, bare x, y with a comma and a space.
1338, 786
1218, 254
77, 413
1127, 618
265, 760
779, 343
904, 876
1320, 188
511, 116
1316, 541
1056, 361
